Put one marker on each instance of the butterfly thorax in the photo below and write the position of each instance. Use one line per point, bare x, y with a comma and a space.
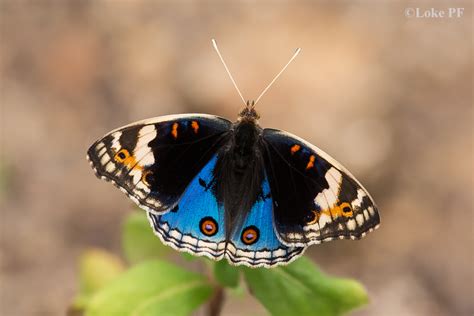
239, 172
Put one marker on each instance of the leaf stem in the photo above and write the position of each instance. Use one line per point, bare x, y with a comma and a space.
217, 302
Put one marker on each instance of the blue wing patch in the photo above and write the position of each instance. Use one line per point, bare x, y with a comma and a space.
256, 243
196, 225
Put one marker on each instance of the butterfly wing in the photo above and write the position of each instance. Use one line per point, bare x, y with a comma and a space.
315, 198
197, 226
153, 161
256, 243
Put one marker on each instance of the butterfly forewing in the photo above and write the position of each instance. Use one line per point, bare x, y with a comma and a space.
315, 198
153, 161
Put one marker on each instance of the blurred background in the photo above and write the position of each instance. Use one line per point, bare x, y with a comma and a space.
384, 92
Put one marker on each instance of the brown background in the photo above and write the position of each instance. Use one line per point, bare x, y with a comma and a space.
389, 96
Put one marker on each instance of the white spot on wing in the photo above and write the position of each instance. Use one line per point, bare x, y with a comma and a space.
231, 248
294, 236
351, 224
142, 152
314, 233
371, 211
366, 215
327, 198
115, 141
190, 240
102, 150
241, 253
279, 252
99, 146
175, 234
110, 167
205, 244
165, 227
324, 219
105, 159
358, 201
136, 173
263, 254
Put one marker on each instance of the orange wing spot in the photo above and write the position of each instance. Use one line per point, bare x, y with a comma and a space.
147, 177
344, 209
310, 162
174, 130
295, 148
314, 219
195, 126
128, 160
121, 155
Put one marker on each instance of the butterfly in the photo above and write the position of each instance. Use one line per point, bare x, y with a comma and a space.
211, 187
254, 196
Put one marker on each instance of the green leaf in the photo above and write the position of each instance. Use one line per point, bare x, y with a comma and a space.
302, 289
151, 288
188, 257
139, 243
226, 274
96, 269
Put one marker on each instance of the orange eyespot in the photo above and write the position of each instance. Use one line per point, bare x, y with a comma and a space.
312, 218
121, 155
346, 209
208, 226
250, 235
148, 178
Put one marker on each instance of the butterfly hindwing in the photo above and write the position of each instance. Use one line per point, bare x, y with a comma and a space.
315, 198
197, 226
153, 161
255, 243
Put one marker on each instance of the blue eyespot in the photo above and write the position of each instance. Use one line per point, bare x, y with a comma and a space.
208, 226
250, 235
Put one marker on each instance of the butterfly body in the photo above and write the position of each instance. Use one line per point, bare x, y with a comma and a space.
239, 172
254, 196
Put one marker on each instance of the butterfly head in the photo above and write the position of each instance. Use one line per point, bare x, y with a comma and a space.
248, 113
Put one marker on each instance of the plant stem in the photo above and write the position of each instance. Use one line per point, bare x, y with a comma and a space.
217, 302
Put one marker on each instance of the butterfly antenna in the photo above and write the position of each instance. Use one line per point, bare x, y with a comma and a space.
227, 69
298, 50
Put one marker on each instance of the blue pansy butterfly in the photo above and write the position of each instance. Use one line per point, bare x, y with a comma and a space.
257, 197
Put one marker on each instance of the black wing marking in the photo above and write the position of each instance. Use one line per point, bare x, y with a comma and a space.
315, 198
153, 161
